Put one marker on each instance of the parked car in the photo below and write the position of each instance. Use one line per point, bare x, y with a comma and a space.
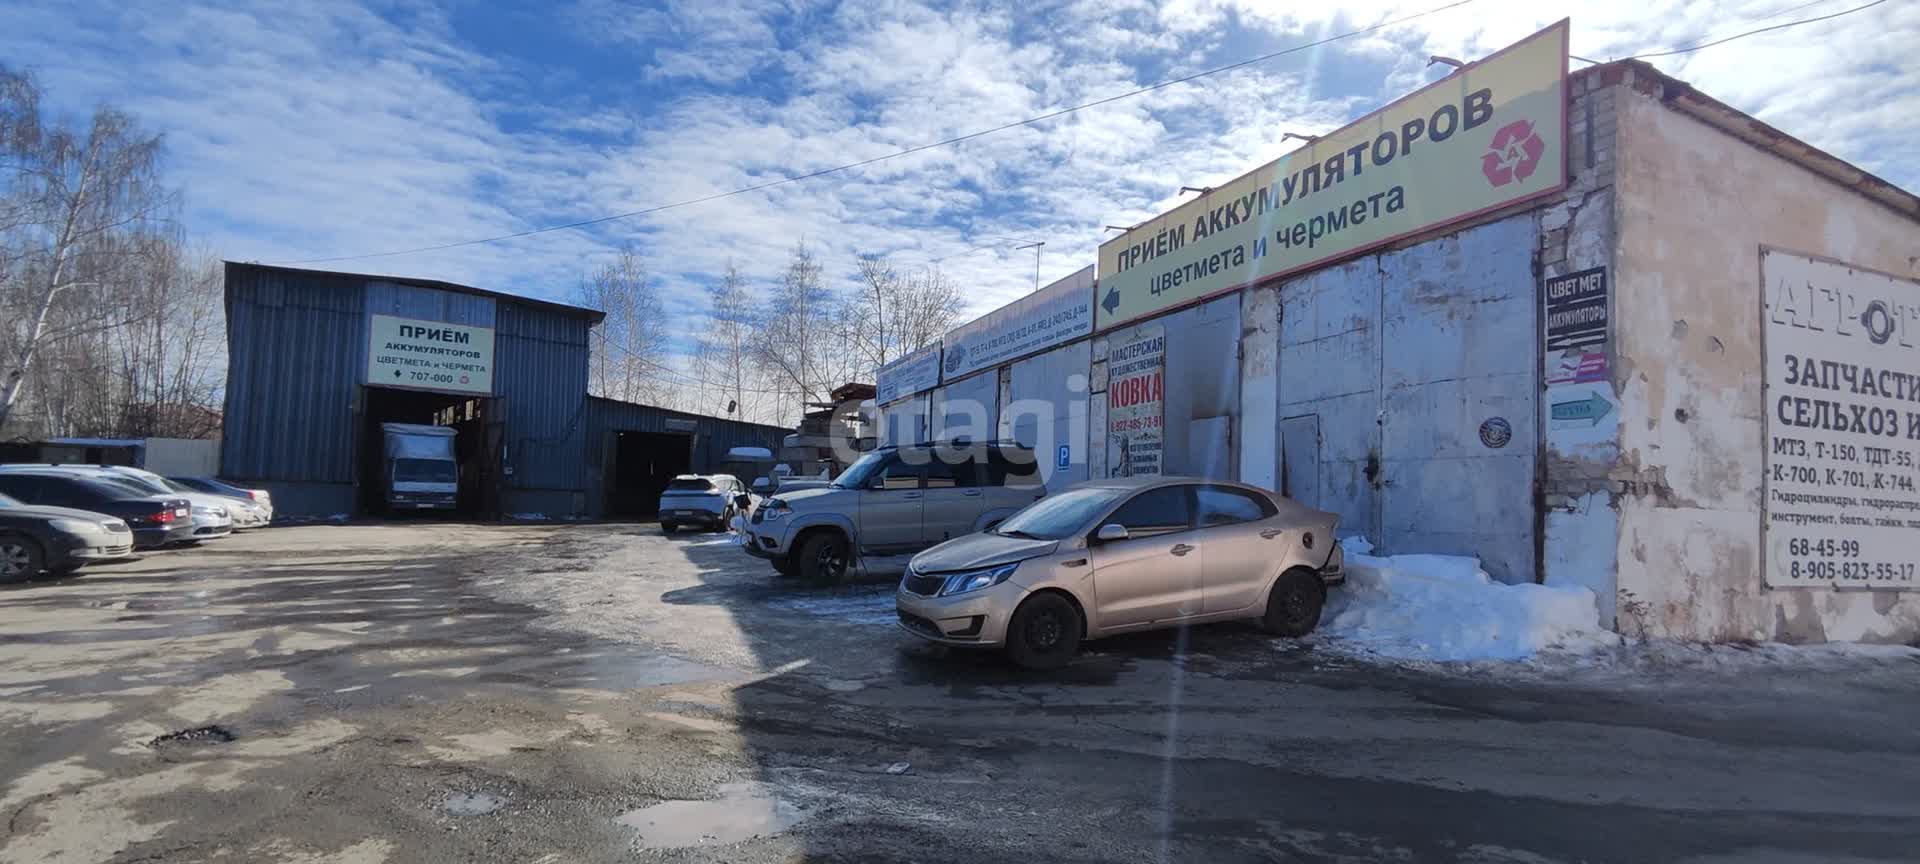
56, 541
260, 498
709, 501
155, 520
247, 513
893, 501
211, 514
1122, 555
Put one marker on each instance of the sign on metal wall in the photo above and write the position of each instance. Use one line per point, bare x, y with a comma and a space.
1576, 344
1840, 506
1489, 135
1136, 403
915, 373
1058, 313
429, 355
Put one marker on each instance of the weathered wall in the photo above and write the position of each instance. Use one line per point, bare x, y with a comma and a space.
1202, 388
1047, 396
1694, 206
1578, 455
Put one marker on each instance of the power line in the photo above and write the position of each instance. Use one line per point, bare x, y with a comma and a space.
907, 152
1754, 32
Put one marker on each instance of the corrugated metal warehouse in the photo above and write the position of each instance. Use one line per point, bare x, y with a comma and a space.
318, 360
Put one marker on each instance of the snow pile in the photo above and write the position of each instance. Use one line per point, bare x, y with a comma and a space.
861, 605
1442, 607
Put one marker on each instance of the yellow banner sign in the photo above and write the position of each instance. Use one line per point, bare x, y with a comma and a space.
1489, 135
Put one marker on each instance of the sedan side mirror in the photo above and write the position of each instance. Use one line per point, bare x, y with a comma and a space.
1110, 532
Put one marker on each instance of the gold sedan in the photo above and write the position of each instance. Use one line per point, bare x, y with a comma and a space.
1123, 555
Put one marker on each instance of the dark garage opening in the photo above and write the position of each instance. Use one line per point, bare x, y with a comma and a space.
643, 462
475, 436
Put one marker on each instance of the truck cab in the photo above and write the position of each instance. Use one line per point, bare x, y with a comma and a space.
420, 471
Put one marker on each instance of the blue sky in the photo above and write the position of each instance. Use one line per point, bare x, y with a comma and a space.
335, 127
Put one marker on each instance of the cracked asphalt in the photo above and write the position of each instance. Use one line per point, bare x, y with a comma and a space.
581, 693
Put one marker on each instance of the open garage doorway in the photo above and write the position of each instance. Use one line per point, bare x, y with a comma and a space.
643, 462
476, 435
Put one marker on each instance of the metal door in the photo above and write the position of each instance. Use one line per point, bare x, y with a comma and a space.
1156, 574
890, 510
1300, 459
952, 501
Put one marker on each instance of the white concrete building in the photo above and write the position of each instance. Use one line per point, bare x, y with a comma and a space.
1683, 372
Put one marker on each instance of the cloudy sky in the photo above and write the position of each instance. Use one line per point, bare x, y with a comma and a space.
334, 128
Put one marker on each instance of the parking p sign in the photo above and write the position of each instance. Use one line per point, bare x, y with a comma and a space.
1063, 456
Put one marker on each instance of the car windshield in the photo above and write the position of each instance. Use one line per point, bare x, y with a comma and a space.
690, 484
1059, 516
423, 471
6, 502
121, 486
860, 472
147, 485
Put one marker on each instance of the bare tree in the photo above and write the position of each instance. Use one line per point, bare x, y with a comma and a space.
629, 349
892, 314
724, 358
794, 345
79, 211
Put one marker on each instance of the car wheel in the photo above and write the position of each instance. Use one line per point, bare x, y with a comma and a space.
1044, 633
824, 559
786, 567
668, 527
20, 558
1293, 606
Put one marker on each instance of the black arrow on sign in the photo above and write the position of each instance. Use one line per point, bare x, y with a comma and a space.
1112, 300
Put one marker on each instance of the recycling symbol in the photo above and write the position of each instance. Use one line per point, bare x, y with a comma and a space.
1514, 153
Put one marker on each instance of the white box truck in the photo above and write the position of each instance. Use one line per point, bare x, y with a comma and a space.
420, 472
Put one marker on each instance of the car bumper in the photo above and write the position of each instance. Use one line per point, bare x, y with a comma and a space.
147, 538
765, 544
85, 549
688, 516
212, 531
974, 618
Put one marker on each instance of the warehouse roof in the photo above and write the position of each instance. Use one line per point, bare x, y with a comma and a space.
594, 315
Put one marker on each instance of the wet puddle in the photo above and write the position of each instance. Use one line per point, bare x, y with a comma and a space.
472, 804
742, 812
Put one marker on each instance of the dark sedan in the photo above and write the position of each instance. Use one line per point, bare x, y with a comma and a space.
156, 520
55, 541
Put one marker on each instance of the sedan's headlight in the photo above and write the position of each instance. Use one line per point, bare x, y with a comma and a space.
974, 580
77, 526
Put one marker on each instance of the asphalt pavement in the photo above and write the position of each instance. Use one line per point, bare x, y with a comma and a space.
582, 693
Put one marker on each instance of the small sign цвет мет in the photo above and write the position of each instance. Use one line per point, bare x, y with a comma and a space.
1576, 327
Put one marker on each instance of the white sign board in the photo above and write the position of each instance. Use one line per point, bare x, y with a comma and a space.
1839, 504
915, 373
1061, 312
429, 355
1136, 402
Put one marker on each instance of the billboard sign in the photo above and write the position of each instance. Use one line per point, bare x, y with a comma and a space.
1840, 496
1058, 313
429, 355
1487, 136
915, 373
1136, 404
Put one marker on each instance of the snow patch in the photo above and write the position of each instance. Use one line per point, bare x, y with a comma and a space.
1445, 608
866, 606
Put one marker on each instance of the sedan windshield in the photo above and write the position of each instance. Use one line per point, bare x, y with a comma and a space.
1058, 516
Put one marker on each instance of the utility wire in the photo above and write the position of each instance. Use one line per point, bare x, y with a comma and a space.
910, 150
1754, 32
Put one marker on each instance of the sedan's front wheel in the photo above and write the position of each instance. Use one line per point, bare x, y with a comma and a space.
20, 558
1044, 632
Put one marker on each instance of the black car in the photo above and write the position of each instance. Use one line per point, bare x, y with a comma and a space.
55, 541
156, 520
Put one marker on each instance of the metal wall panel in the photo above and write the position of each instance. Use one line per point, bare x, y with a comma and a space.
541, 378
1048, 407
1398, 359
712, 438
1202, 383
430, 304
969, 407
293, 371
